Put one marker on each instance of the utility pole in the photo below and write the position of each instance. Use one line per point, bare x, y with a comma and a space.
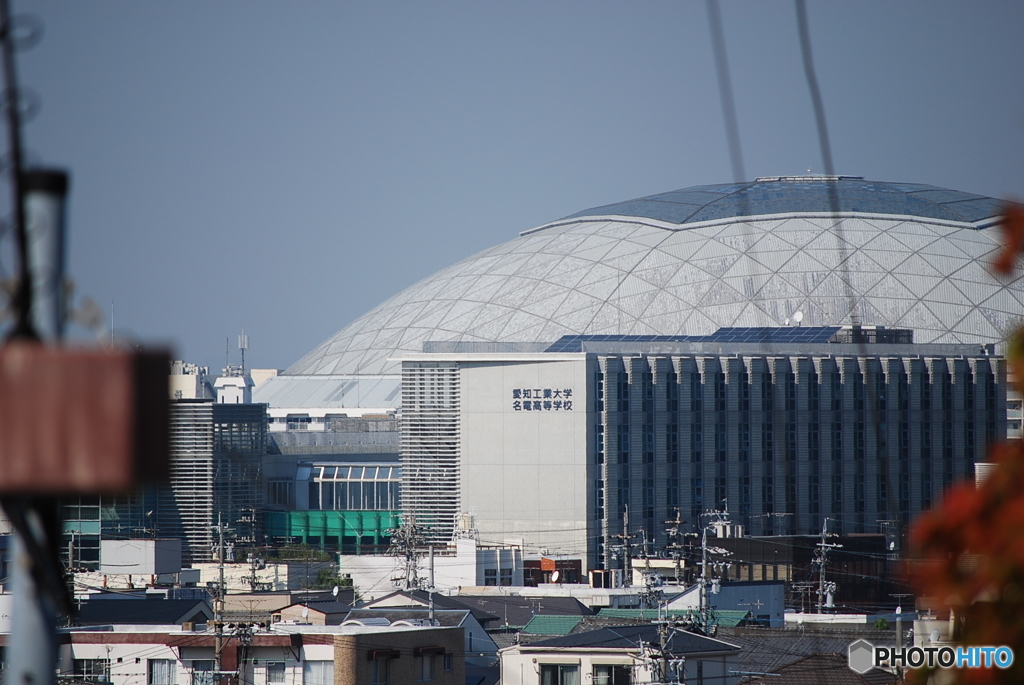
430, 590
84, 447
821, 559
703, 594
405, 543
627, 549
663, 646
218, 646
674, 532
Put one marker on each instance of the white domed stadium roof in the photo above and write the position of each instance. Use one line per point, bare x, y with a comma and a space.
689, 262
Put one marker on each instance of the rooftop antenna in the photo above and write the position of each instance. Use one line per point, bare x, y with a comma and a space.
243, 345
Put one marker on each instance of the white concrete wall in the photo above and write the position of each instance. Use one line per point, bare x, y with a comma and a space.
372, 574
296, 575
522, 666
140, 556
524, 473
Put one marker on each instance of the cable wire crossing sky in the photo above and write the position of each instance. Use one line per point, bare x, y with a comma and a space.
282, 169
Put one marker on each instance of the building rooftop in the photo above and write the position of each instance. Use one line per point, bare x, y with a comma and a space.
630, 636
803, 194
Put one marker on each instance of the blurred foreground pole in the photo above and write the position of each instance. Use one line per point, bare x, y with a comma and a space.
36, 604
72, 421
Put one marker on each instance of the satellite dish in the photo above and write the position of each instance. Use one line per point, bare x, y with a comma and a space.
798, 317
555, 576
335, 591
305, 613
934, 636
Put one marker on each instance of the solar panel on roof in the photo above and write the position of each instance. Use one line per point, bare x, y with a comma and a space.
796, 334
784, 196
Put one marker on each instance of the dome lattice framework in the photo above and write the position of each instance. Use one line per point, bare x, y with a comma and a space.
691, 261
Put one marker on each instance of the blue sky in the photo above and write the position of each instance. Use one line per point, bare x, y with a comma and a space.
284, 167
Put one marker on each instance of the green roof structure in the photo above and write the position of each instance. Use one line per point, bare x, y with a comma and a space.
724, 618
552, 625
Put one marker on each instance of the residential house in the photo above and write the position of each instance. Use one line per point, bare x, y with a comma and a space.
623, 655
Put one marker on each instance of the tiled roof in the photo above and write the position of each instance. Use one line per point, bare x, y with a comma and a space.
768, 650
552, 625
630, 637
825, 668
142, 611
517, 611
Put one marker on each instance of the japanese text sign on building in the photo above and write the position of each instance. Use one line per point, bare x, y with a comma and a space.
542, 399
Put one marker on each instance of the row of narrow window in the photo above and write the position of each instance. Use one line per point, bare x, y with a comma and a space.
945, 385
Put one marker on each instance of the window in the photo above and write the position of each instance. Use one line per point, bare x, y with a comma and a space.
744, 442
380, 671
559, 674
837, 494
837, 441
321, 673
599, 391
490, 576
648, 386
721, 444
613, 675
599, 442
93, 670
426, 667
275, 671
161, 672
720, 399
298, 422
449, 661
506, 577
648, 497
280, 492
791, 441
202, 672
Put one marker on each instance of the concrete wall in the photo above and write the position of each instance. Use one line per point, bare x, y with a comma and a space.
140, 557
352, 662
524, 473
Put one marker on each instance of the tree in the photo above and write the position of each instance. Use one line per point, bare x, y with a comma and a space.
971, 546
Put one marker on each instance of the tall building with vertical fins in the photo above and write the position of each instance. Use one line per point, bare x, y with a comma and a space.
793, 348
